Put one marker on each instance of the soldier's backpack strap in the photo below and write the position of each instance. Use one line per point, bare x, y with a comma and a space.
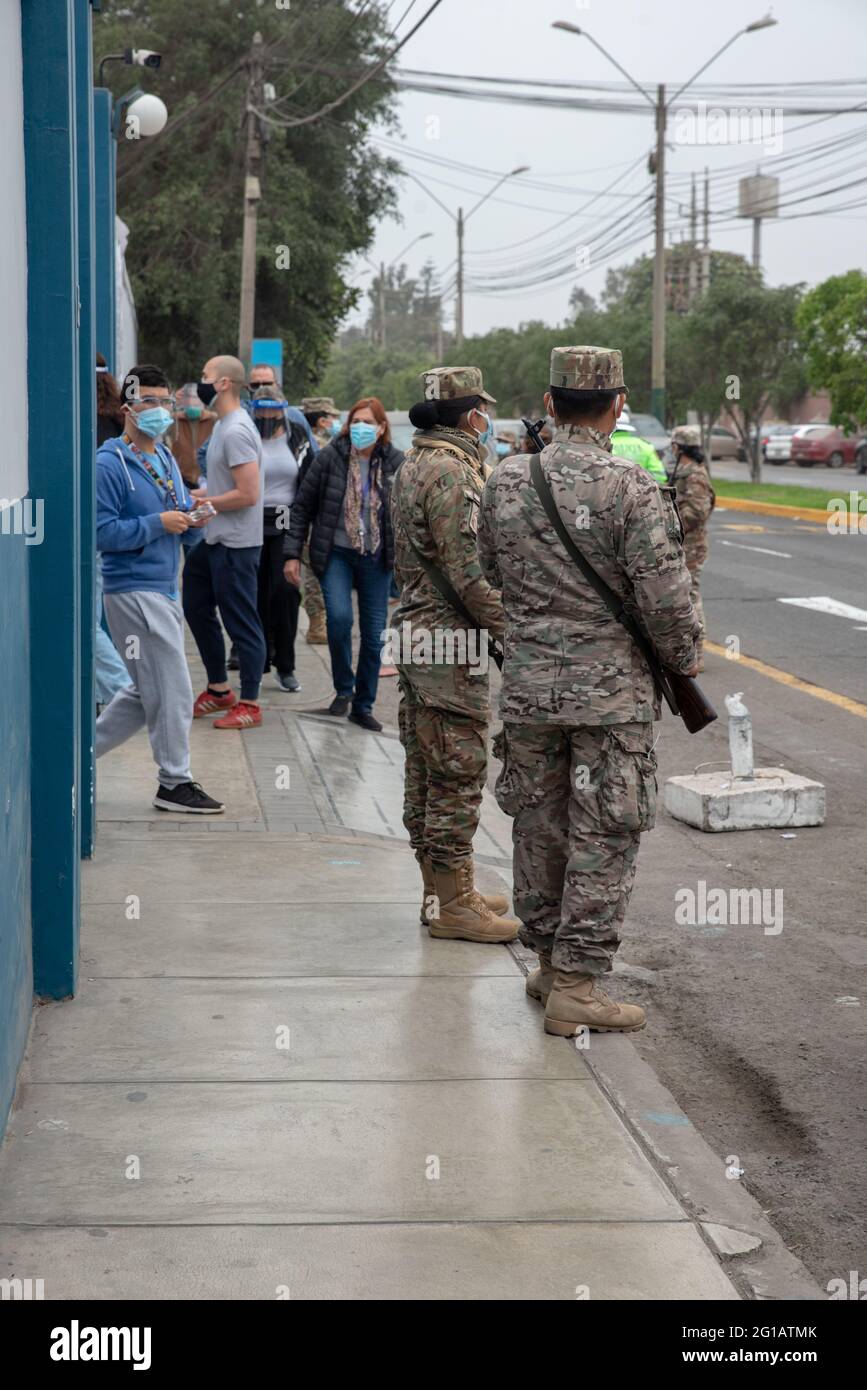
681, 693
451, 596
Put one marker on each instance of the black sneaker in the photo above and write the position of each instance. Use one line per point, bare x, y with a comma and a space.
187, 797
233, 664
288, 683
338, 707
366, 721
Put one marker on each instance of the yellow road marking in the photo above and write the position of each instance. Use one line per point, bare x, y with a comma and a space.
744, 504
794, 682
742, 526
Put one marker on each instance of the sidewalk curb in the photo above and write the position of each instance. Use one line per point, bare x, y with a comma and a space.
729, 1218
817, 515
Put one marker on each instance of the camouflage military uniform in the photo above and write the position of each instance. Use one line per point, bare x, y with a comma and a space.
314, 603
696, 500
445, 703
578, 699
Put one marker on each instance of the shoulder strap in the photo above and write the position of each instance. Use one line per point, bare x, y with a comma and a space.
611, 600
448, 591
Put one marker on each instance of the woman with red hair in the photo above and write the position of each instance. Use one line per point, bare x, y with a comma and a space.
345, 498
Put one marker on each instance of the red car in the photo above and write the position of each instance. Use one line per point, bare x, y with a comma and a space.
823, 444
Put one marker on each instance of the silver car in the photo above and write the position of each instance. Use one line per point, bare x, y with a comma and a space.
777, 443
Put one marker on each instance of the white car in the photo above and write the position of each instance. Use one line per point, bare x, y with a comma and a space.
778, 448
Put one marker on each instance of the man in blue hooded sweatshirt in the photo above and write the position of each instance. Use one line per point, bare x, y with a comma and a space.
142, 511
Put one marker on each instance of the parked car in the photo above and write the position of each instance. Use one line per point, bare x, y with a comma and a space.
777, 443
725, 444
649, 428
825, 444
861, 456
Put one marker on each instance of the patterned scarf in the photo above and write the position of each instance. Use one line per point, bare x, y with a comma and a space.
354, 503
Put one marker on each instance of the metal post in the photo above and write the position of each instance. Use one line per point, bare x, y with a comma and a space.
459, 312
705, 259
657, 373
252, 195
382, 304
757, 243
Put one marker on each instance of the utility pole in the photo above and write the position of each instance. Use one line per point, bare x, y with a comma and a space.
705, 258
693, 246
382, 304
459, 303
252, 197
657, 369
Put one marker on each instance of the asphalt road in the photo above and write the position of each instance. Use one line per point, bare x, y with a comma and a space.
758, 564
762, 1038
817, 476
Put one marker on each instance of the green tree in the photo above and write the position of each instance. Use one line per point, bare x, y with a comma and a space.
832, 321
324, 187
741, 337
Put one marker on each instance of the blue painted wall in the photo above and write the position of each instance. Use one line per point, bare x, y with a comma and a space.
50, 150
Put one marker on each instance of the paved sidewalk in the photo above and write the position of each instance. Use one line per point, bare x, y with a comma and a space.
274, 1083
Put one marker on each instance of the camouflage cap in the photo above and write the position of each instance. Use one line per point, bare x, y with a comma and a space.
687, 435
508, 436
587, 369
319, 405
452, 383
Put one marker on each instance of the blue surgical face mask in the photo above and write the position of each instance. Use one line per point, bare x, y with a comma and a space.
489, 426
503, 449
363, 435
335, 427
154, 421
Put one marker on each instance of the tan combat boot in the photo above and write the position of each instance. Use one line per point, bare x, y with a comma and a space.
317, 632
577, 1001
463, 913
495, 901
540, 980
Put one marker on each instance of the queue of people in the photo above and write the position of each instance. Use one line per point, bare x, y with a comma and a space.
249, 489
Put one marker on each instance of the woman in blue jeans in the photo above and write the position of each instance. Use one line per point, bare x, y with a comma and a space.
345, 497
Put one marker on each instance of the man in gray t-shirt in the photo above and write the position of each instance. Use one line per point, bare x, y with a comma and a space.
224, 573
234, 441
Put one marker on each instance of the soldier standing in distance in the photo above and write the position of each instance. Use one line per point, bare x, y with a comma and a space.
445, 700
696, 500
320, 411
578, 699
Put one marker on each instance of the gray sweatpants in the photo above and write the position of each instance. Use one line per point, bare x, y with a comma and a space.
148, 631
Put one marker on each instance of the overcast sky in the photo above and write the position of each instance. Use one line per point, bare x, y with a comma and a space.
581, 152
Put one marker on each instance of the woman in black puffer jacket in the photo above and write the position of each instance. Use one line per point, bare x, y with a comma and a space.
345, 496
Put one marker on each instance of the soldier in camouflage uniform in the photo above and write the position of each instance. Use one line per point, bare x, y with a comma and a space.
323, 410
696, 500
445, 701
578, 701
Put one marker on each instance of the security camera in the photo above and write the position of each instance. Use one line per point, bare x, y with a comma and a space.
145, 57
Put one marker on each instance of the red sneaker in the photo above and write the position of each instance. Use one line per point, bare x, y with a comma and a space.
208, 703
242, 716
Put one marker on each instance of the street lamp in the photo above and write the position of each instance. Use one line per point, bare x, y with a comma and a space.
661, 108
141, 113
383, 271
461, 221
